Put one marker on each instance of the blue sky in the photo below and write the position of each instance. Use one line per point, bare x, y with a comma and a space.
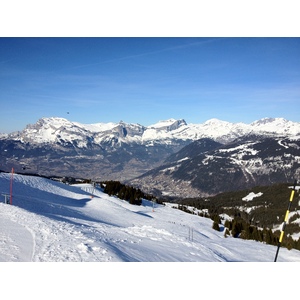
145, 80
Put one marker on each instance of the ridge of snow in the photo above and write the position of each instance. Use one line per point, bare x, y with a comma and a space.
97, 127
276, 125
166, 123
162, 123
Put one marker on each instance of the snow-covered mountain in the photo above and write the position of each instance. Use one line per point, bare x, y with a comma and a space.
60, 130
120, 151
206, 167
53, 222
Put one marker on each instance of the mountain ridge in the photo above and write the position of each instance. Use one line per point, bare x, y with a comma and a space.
205, 167
119, 151
47, 130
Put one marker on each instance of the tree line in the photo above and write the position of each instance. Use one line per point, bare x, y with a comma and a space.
132, 195
238, 227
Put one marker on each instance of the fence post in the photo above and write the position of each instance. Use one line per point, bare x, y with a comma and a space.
11, 184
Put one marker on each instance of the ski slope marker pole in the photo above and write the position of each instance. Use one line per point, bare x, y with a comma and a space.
285, 219
11, 184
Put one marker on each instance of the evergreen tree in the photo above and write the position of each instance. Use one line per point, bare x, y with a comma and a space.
216, 226
255, 234
128, 193
228, 224
227, 233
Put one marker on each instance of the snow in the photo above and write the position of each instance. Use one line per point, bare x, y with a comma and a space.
246, 149
53, 222
251, 195
163, 123
297, 187
97, 127
51, 130
276, 125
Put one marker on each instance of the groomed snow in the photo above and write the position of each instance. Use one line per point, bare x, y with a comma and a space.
54, 222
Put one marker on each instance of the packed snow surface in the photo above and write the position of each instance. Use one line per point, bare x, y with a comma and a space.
49, 221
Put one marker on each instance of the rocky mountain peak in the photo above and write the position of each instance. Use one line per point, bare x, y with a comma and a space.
121, 150
168, 125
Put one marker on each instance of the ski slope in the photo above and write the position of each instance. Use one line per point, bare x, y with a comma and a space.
53, 222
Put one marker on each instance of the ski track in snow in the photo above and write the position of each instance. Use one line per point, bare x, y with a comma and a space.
16, 242
53, 222
54, 241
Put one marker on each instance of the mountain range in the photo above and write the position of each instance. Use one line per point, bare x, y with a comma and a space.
200, 158
206, 167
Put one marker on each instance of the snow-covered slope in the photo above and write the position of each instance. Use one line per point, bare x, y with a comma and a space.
50, 221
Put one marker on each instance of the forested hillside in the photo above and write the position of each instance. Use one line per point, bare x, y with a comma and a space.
256, 213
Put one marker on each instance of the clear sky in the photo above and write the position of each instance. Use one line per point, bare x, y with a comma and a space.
145, 80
